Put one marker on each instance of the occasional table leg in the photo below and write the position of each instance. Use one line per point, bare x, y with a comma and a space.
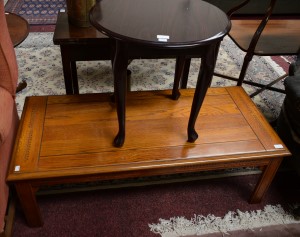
207, 67
185, 75
180, 61
120, 83
22, 85
265, 180
27, 198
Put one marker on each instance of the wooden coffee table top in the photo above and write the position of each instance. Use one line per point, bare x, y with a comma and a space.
69, 136
68, 139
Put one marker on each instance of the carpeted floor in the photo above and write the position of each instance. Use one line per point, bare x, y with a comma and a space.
41, 12
44, 78
128, 211
287, 230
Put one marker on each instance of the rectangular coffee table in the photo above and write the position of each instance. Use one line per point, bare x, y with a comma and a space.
68, 139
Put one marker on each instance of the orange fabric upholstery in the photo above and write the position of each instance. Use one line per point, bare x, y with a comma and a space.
8, 62
8, 113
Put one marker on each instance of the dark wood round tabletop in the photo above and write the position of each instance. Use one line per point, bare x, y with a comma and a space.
167, 23
18, 28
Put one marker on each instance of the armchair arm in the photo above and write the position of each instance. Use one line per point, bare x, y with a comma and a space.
262, 25
294, 69
6, 110
8, 61
245, 2
234, 9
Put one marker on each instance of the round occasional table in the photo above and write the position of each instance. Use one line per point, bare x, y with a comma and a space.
18, 28
180, 28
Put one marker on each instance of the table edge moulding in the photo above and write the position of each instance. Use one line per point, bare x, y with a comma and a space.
66, 139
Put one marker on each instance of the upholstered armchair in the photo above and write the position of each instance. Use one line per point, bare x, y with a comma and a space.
288, 122
8, 113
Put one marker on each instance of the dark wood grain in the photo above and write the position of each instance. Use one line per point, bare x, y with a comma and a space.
78, 44
18, 28
188, 22
66, 33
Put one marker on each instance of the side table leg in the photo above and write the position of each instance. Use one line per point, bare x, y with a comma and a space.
265, 180
74, 78
26, 194
69, 70
207, 67
120, 84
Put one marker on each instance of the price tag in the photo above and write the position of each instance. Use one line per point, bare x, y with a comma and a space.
163, 38
278, 146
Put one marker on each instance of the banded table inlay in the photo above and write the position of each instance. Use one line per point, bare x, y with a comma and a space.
70, 140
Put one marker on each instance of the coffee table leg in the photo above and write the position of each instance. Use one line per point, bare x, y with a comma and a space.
27, 198
265, 180
207, 67
120, 84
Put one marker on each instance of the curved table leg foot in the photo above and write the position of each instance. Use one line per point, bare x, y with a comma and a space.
21, 86
119, 139
175, 95
192, 135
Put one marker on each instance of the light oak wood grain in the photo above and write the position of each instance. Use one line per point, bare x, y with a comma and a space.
68, 139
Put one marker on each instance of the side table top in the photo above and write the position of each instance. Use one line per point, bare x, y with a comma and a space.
161, 23
66, 33
18, 28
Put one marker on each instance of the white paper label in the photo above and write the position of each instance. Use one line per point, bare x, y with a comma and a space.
163, 36
278, 146
163, 40
17, 168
